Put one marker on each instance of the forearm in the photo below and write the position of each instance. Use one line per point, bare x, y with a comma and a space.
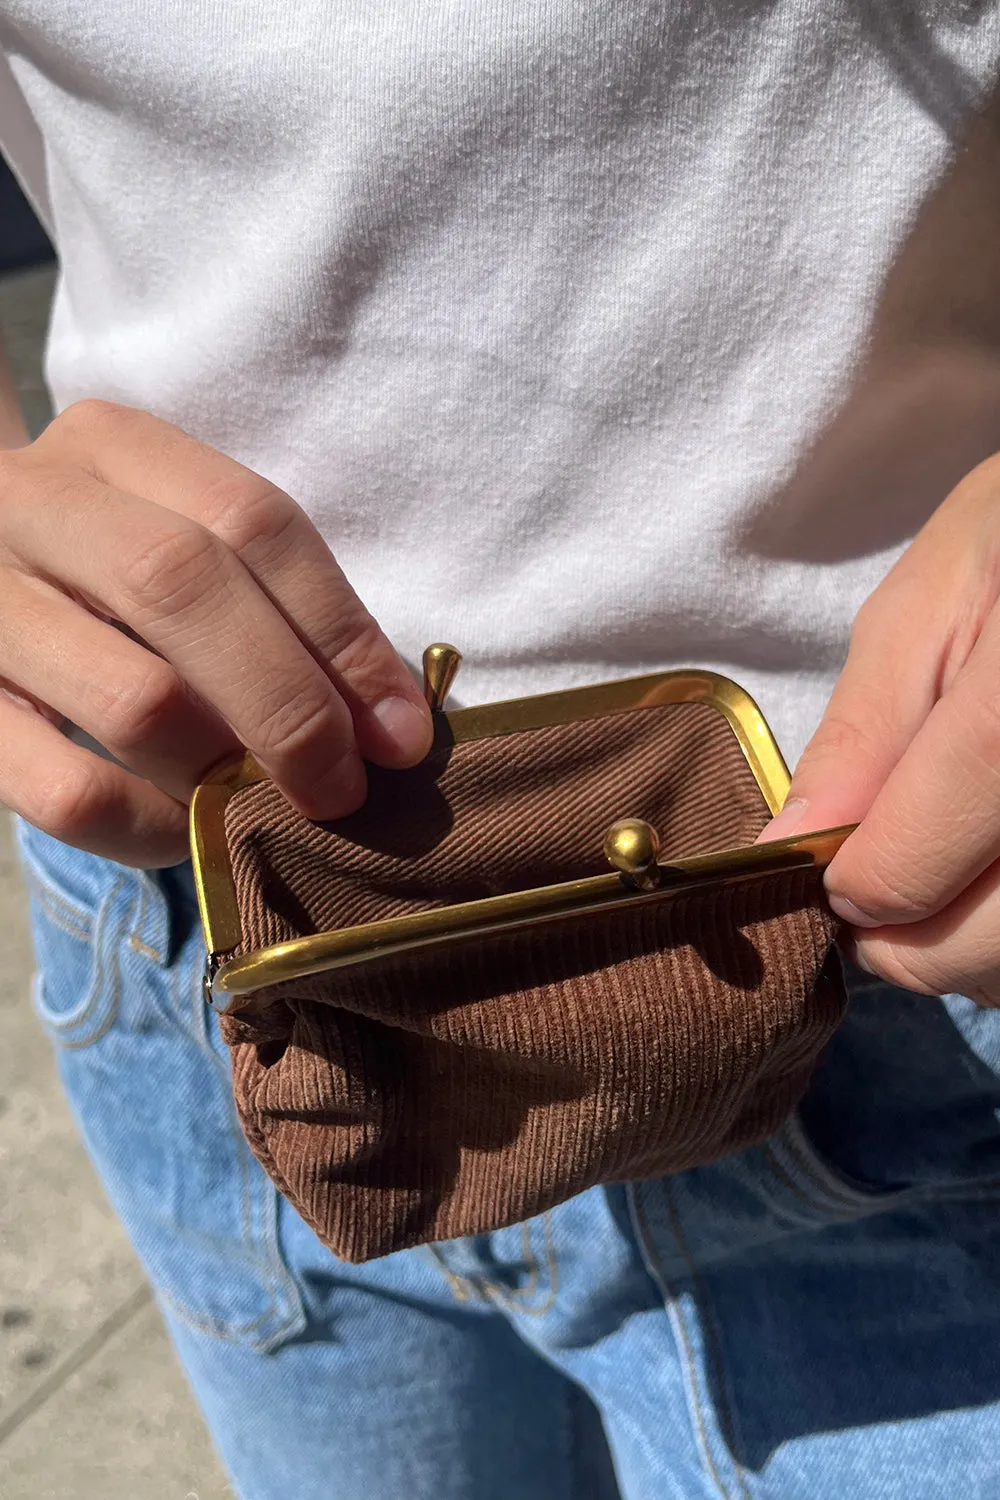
13, 432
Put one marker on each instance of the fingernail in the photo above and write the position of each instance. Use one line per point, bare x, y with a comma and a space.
406, 725
787, 822
848, 912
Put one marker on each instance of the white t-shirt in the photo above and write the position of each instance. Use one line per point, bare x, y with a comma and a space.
597, 336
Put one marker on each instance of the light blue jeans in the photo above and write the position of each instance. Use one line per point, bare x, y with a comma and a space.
815, 1319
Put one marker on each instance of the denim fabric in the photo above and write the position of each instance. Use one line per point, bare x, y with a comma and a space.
816, 1318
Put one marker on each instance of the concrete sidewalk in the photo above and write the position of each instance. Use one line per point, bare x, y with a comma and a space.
93, 1405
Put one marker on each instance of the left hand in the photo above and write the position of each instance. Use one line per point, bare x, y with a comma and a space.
910, 747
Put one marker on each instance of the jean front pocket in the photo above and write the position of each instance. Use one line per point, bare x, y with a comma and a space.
74, 899
907, 1096
148, 1080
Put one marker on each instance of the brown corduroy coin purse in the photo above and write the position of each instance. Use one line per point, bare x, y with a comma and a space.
449, 1011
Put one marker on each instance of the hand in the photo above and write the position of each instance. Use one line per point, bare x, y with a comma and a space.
910, 747
241, 630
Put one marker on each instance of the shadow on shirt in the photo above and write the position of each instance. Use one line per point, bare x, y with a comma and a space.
925, 407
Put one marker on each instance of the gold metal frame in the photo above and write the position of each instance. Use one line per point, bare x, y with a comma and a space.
637, 880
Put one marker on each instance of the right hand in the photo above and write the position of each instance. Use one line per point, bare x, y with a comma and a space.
241, 630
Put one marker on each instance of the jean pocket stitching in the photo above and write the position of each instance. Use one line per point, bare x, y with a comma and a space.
514, 1296
551, 1270
798, 1187
71, 919
45, 886
461, 1287
138, 925
795, 1162
103, 997
705, 1423
284, 1314
230, 1332
518, 1299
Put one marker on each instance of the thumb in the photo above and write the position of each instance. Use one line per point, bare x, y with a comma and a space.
882, 697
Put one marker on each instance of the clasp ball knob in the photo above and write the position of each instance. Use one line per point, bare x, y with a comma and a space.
631, 847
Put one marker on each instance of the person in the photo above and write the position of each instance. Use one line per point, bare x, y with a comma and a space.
597, 339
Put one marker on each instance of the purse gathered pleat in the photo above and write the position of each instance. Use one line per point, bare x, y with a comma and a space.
451, 1091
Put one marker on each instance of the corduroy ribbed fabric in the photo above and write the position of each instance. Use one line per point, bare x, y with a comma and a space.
453, 1091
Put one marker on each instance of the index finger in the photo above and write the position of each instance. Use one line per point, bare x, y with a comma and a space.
189, 597
279, 546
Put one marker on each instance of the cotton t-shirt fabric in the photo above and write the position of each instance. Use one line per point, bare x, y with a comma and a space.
595, 338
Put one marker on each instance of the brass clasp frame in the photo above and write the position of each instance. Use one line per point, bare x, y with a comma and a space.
630, 845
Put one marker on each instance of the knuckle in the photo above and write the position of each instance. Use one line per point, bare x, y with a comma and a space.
92, 417
890, 897
879, 625
248, 512
34, 485
73, 804
290, 726
879, 610
360, 649
902, 969
931, 968
134, 712
838, 741
895, 873
172, 570
865, 621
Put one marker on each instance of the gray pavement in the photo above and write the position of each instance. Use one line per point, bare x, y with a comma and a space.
93, 1405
